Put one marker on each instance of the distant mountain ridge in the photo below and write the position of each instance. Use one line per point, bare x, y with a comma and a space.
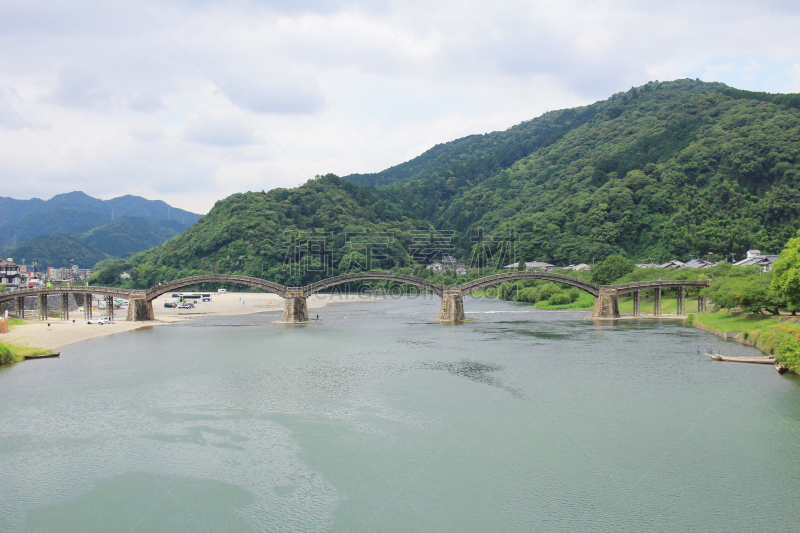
107, 228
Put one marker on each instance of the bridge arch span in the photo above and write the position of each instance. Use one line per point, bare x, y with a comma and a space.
7, 296
258, 283
588, 286
422, 283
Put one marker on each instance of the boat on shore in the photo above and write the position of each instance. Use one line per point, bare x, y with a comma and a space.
43, 356
763, 360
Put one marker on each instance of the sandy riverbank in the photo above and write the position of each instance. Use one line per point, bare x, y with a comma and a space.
61, 333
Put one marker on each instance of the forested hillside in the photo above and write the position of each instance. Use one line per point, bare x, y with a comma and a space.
56, 251
272, 234
663, 171
667, 170
117, 227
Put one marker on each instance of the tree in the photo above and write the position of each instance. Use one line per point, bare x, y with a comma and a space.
610, 270
109, 275
559, 299
574, 294
786, 274
749, 290
521, 265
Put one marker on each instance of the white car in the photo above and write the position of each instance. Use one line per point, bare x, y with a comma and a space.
102, 320
222, 291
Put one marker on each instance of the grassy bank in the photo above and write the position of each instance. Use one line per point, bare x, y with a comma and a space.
768, 333
669, 305
584, 302
12, 354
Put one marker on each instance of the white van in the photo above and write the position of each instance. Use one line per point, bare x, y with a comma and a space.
222, 291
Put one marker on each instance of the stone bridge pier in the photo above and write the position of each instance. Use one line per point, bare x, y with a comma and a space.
42, 307
64, 306
452, 310
605, 305
139, 309
295, 308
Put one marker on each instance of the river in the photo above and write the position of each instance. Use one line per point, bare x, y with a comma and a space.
375, 418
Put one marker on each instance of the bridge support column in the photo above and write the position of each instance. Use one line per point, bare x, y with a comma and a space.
637, 303
701, 303
452, 310
21, 307
139, 309
295, 308
64, 306
657, 301
110, 307
605, 305
42, 306
680, 292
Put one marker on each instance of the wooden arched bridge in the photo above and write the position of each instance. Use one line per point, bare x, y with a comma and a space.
296, 311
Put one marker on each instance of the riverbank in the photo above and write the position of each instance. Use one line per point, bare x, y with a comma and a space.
773, 335
31, 337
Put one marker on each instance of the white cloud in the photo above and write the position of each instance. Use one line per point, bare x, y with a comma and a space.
147, 134
223, 128
342, 86
794, 84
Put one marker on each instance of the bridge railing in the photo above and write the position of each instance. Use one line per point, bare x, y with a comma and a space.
513, 276
218, 278
369, 275
667, 283
35, 291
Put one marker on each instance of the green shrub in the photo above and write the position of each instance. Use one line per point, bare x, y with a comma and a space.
574, 294
559, 299
544, 292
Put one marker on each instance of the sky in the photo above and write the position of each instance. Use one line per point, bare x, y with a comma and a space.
190, 101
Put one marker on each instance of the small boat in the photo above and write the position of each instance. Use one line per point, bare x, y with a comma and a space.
763, 360
45, 356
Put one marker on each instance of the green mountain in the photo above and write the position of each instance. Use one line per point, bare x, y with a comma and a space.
254, 234
56, 251
662, 171
666, 170
116, 227
127, 235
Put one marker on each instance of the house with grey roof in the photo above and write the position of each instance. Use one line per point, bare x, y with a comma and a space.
756, 258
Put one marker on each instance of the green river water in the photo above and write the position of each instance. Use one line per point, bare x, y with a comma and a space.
375, 418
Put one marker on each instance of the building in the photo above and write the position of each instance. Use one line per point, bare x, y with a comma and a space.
698, 263
756, 258
9, 275
531, 265
68, 274
446, 264
580, 267
671, 264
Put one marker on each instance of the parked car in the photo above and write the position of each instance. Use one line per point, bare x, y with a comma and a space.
186, 305
222, 291
206, 299
170, 304
101, 320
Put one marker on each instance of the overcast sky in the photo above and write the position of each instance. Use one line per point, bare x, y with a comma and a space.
191, 101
